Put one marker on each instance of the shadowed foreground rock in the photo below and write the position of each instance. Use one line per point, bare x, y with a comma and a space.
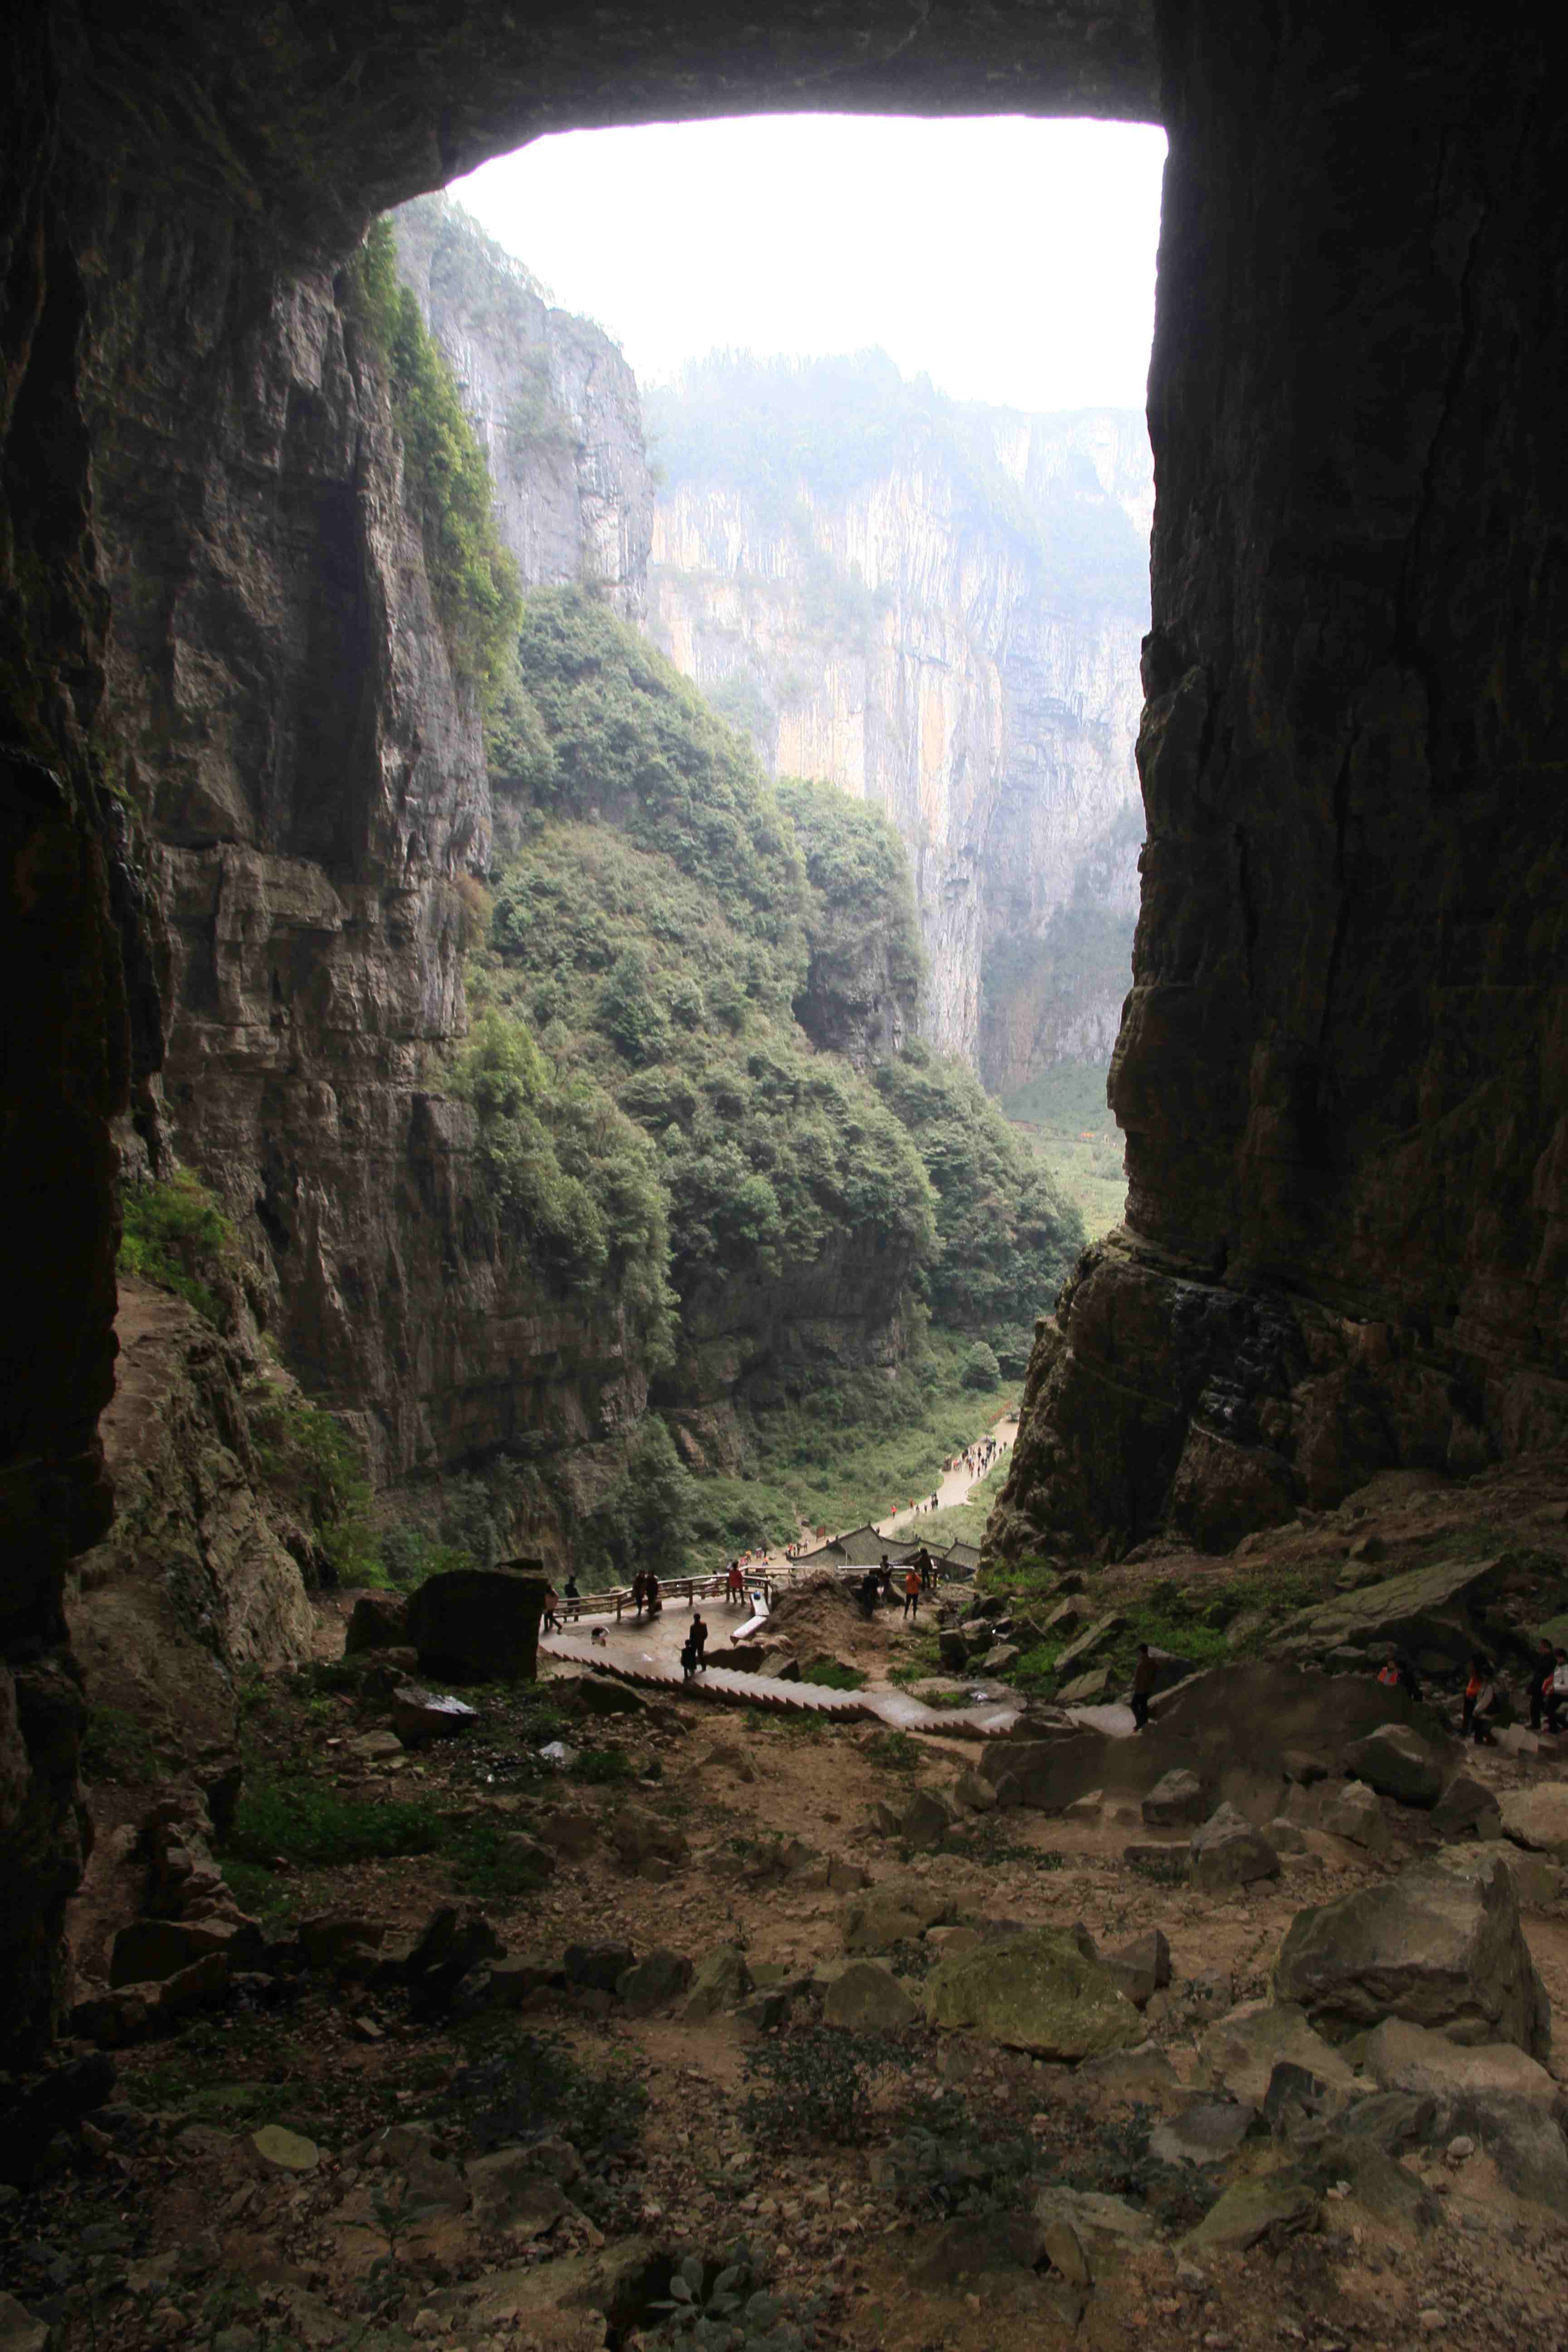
1440, 1946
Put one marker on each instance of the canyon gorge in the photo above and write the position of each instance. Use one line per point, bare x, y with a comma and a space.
245, 794
937, 607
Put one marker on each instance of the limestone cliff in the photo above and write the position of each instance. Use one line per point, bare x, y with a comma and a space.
553, 405
938, 608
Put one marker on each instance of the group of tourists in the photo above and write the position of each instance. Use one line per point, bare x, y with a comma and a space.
977, 1458
1479, 1708
875, 1588
645, 1593
567, 1602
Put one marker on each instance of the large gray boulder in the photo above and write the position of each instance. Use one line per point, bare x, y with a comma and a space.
1438, 1613
1176, 1800
1493, 2093
1228, 1852
1397, 1762
479, 1624
1039, 1992
1537, 1818
1239, 2052
1440, 1945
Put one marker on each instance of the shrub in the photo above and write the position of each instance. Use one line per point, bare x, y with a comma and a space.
980, 1370
175, 1234
311, 1463
303, 1822
447, 483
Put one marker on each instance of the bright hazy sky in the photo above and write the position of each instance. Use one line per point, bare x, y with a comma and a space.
1010, 260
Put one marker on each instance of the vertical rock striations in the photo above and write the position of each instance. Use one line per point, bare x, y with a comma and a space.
938, 608
1341, 1073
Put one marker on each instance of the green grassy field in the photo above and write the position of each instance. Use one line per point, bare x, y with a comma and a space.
1065, 1108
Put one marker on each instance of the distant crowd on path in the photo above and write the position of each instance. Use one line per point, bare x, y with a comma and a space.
1478, 1706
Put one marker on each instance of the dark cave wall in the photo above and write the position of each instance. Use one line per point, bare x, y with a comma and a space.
1341, 1068
1340, 1073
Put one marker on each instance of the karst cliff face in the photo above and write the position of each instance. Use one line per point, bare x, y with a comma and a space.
916, 635
553, 405
1342, 1075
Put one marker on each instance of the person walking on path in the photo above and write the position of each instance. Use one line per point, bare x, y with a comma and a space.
1557, 1696
639, 1589
1144, 1671
651, 1593
735, 1584
698, 1637
1540, 1673
912, 1592
551, 1623
573, 1598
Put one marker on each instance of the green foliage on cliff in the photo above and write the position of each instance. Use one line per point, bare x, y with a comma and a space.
176, 1235
310, 1462
447, 482
1008, 1236
860, 896
653, 933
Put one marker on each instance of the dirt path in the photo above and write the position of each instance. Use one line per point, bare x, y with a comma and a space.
956, 1485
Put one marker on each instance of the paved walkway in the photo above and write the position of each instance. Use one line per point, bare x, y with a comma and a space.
956, 1485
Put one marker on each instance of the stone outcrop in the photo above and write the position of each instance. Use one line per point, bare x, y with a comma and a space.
1340, 1073
917, 638
555, 406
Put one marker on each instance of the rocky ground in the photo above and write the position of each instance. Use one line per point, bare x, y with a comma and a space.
1235, 2036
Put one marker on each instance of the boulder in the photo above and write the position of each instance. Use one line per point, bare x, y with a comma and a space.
867, 1999
721, 1981
655, 1982
1036, 1991
893, 1912
380, 1622
1079, 1653
150, 1951
512, 2192
970, 1791
1275, 2206
1397, 1762
952, 1650
1493, 2090
1228, 1852
1001, 1658
279, 2150
1239, 2052
19, 2331
1143, 2076
479, 1624
597, 1968
1537, 1881
1378, 2183
1439, 1945
1140, 1969
375, 1746
1205, 2133
1353, 1812
1086, 1689
1537, 1818
638, 1836
420, 1715
926, 1819
599, 1694
1437, 1611
1467, 1808
455, 1940
1175, 1800
1106, 2228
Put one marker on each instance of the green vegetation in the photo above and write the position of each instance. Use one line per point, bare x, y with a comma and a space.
827, 1674
965, 1522
298, 1821
1008, 1237
862, 933
116, 1747
310, 1462
1066, 1113
175, 1234
447, 483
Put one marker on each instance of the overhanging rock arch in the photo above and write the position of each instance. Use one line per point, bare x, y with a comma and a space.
1342, 1072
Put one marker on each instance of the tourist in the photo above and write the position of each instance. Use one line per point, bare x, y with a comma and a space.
1143, 1673
1557, 1696
867, 1592
651, 1594
573, 1598
551, 1623
639, 1589
1396, 1673
698, 1639
1481, 1699
1541, 1675
689, 1660
912, 1592
735, 1583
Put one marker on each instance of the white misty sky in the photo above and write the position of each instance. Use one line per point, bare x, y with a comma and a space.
1010, 260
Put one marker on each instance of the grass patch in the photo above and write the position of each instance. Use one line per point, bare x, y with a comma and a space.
301, 1822
176, 1235
603, 1768
1065, 1111
827, 1674
895, 1751
115, 1747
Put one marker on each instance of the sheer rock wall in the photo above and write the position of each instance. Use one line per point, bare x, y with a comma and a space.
901, 640
1342, 1073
